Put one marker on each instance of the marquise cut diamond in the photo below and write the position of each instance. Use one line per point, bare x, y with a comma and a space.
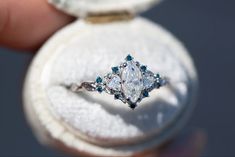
132, 81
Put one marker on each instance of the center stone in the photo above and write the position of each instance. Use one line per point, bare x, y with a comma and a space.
132, 81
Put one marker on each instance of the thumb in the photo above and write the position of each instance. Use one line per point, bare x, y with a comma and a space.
26, 24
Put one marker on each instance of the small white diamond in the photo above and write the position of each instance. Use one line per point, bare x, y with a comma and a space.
148, 79
115, 83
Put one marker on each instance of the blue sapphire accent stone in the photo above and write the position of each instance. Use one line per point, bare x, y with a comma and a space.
143, 68
99, 89
116, 96
99, 79
158, 84
132, 106
157, 75
145, 93
129, 57
115, 69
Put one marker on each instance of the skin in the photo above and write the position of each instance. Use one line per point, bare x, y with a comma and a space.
26, 24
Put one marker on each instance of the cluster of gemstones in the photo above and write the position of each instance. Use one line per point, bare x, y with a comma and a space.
129, 82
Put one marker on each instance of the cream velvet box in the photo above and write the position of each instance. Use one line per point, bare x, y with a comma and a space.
96, 124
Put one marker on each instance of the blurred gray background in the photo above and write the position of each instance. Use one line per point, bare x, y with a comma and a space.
207, 28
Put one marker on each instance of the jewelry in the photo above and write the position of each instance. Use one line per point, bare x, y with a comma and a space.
129, 82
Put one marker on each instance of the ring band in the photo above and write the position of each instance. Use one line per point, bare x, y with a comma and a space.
129, 82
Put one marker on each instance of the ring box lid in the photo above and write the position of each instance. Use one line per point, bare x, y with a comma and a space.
84, 8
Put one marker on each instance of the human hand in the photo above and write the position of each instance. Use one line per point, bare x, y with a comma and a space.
26, 24
190, 144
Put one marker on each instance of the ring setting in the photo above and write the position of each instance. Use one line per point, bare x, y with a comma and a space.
129, 82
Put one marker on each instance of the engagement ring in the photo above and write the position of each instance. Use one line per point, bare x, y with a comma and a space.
129, 82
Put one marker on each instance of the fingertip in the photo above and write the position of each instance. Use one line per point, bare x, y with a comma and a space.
26, 24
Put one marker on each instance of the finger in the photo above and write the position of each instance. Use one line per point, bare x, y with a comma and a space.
192, 147
183, 146
26, 24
